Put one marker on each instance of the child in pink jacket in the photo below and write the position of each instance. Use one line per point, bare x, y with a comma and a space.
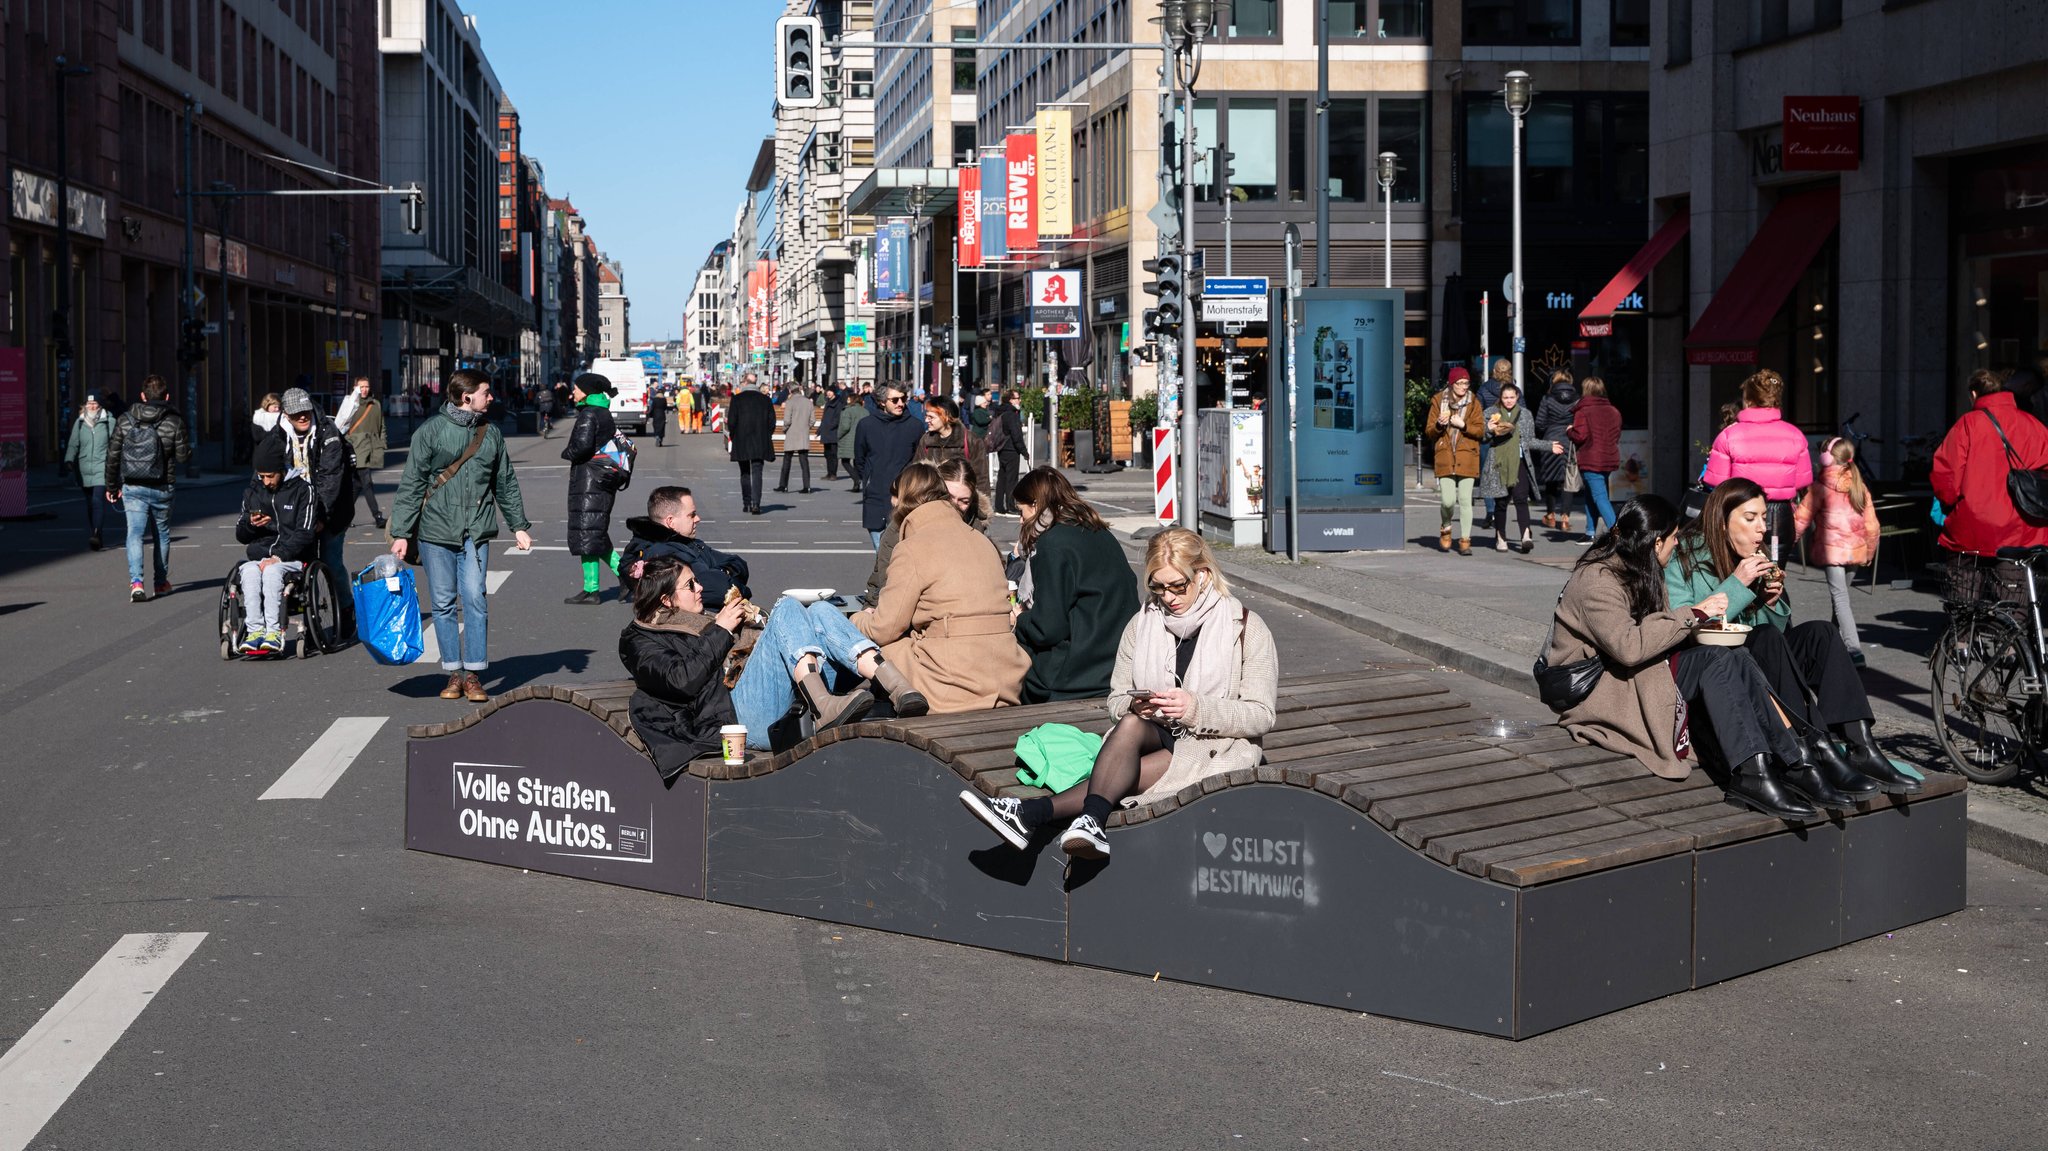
1844, 520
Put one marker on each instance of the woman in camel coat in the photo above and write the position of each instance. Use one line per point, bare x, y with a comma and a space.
1456, 424
944, 616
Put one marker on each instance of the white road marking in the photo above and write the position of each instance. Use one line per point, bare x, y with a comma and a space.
322, 764
46, 1065
430, 644
514, 551
859, 551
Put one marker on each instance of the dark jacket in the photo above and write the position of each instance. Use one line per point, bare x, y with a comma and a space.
174, 446
289, 535
590, 503
1006, 433
883, 446
681, 700
466, 506
334, 471
828, 419
1596, 428
657, 408
718, 572
1553, 420
849, 419
750, 421
1082, 595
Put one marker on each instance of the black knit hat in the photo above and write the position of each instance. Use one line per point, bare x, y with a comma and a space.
270, 455
593, 384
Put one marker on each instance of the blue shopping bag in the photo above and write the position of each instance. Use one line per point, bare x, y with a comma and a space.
388, 612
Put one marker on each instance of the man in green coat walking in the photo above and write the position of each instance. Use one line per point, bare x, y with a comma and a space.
458, 479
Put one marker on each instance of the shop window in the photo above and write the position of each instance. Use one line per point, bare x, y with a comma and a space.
1401, 129
1522, 21
1350, 151
1255, 19
1630, 23
862, 83
1297, 151
1607, 133
1379, 19
963, 143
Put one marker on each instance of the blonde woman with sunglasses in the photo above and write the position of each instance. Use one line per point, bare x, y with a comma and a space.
1192, 695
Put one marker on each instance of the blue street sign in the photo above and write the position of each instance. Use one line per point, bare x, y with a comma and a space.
1519, 345
1234, 286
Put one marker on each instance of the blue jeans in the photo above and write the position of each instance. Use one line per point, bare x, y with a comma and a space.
452, 572
145, 504
1598, 509
765, 690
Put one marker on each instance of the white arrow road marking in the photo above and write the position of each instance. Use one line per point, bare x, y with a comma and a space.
430, 644
330, 755
46, 1065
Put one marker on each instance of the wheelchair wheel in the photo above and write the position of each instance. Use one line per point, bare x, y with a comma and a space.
320, 600
230, 621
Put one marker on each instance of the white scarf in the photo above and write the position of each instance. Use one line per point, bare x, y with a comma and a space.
347, 412
299, 447
1213, 620
1026, 586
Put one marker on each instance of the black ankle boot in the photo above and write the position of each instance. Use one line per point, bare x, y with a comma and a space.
1756, 785
1810, 780
1839, 772
1870, 760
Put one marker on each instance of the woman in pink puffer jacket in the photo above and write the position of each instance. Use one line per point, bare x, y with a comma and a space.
1760, 446
1844, 520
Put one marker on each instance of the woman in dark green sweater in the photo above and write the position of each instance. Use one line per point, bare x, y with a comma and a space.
1076, 593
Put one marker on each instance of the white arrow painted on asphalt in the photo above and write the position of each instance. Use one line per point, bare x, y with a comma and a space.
322, 764
430, 644
46, 1065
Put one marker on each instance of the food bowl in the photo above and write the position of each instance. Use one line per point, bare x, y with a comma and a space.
1722, 634
808, 595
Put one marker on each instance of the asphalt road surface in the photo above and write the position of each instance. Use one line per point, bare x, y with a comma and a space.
236, 972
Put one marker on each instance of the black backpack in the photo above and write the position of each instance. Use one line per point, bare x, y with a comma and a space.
142, 454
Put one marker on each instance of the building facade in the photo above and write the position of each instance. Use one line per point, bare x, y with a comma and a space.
613, 322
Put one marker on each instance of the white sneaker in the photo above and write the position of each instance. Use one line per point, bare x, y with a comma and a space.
1000, 814
1084, 839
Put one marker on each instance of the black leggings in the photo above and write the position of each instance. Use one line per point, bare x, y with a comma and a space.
1810, 670
1116, 765
1739, 719
1520, 495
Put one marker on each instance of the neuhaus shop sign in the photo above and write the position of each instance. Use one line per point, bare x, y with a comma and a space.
1822, 134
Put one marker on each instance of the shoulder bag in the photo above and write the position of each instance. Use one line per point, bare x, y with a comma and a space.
1573, 480
1564, 688
2028, 489
476, 440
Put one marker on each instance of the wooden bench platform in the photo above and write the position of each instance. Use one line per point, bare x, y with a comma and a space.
1384, 858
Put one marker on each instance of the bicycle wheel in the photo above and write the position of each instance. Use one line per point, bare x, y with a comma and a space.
1979, 670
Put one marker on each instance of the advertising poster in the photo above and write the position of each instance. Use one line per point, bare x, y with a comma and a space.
1632, 478
757, 306
1348, 398
13, 432
1232, 454
1055, 172
995, 209
1021, 160
970, 217
886, 288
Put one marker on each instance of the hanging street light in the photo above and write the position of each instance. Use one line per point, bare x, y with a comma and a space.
1389, 166
1518, 93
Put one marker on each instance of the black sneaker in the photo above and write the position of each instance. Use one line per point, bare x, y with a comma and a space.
1084, 839
1000, 814
585, 597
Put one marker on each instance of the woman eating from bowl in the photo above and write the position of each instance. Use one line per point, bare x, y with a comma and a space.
1192, 695
1655, 691
1806, 665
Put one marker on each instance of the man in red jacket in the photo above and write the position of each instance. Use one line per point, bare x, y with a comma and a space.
1971, 467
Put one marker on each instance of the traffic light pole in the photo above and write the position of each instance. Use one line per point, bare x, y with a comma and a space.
1190, 490
194, 420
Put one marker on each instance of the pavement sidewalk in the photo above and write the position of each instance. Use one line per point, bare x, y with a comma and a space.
1488, 614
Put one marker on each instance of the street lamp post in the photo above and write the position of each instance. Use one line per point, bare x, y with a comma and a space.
1389, 165
189, 310
60, 327
1518, 93
1187, 24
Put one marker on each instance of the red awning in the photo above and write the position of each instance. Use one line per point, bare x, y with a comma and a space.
1598, 318
1728, 331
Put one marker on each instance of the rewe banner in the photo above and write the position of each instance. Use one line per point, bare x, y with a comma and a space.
1021, 210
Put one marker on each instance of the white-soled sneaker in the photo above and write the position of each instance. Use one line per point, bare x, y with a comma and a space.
1000, 814
1084, 839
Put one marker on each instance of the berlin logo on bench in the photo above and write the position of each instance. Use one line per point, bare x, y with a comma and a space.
505, 802
1260, 865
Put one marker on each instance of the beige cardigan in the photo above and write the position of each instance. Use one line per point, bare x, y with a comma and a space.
1633, 710
1224, 732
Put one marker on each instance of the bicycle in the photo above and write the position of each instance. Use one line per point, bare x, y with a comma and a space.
1990, 700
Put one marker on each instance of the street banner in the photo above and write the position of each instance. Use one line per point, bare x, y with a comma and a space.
970, 217
757, 306
995, 208
863, 279
1055, 172
1056, 304
14, 432
1021, 154
899, 258
774, 306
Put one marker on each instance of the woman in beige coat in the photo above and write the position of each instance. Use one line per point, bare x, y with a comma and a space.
1193, 693
943, 618
1654, 692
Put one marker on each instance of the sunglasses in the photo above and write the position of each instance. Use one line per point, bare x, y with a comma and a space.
894, 401
1177, 587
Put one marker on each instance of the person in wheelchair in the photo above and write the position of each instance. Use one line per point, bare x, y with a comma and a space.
278, 527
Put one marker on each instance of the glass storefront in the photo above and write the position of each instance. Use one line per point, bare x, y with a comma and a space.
1999, 239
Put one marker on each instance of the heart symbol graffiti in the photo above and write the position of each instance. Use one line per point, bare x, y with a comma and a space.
1215, 841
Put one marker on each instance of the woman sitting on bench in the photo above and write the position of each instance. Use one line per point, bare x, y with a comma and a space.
696, 672
1074, 594
1193, 692
1653, 689
1807, 666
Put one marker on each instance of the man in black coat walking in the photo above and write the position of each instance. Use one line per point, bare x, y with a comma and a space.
590, 498
750, 421
657, 414
883, 445
1006, 440
828, 430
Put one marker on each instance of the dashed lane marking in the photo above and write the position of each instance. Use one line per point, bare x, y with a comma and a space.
46, 1065
323, 763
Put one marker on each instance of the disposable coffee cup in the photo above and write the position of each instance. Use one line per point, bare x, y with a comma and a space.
732, 739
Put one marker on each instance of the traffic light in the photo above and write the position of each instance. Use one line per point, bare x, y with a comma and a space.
414, 203
192, 341
797, 42
1224, 170
1167, 316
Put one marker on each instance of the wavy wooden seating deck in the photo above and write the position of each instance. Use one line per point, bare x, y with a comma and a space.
1384, 857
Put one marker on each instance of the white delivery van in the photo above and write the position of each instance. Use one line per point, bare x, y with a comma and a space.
629, 376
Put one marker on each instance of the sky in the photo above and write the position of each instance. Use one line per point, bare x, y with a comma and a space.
647, 114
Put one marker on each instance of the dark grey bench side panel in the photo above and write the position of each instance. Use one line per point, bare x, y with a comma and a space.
1605, 941
1904, 865
1285, 892
1766, 901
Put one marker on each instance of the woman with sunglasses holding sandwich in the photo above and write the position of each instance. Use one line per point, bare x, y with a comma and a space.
1192, 694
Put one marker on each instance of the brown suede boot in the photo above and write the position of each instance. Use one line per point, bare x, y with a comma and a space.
828, 710
473, 688
904, 698
454, 688
1443, 540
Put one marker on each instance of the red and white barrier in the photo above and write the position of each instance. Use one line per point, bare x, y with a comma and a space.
1163, 488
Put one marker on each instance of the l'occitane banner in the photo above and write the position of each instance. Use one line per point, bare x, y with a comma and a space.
1055, 172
